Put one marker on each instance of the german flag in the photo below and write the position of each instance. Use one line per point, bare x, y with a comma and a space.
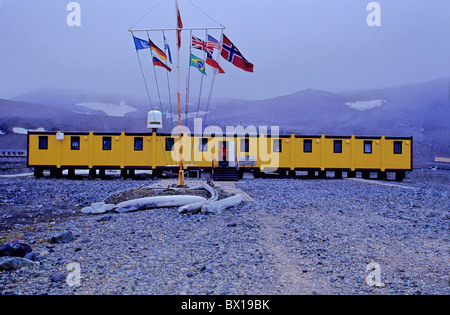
160, 53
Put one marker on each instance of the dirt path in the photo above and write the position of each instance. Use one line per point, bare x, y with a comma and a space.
297, 280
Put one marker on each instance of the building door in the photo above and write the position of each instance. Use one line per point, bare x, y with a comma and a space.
223, 154
227, 154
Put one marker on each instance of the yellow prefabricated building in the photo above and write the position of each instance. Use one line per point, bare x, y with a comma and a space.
261, 154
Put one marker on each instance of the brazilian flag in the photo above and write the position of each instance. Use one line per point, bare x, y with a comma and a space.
198, 63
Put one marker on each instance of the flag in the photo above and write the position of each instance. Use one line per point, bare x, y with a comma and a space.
198, 63
140, 43
197, 43
167, 47
213, 43
159, 63
179, 26
160, 53
200, 44
232, 54
214, 63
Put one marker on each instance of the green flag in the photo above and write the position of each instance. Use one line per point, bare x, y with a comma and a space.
198, 63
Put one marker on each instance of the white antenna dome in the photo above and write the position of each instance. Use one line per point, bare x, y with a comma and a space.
154, 120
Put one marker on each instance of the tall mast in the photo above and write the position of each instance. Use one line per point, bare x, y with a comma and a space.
179, 27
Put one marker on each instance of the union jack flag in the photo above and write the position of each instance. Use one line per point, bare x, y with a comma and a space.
197, 43
208, 47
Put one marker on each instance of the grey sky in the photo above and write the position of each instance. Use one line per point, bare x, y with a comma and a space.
294, 45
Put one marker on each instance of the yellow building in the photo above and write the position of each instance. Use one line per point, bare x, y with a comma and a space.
283, 154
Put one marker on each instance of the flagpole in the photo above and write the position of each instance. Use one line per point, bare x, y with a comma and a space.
188, 84
180, 172
143, 76
167, 75
179, 27
201, 82
156, 81
213, 80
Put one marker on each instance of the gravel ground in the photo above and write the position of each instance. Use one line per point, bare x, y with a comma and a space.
297, 237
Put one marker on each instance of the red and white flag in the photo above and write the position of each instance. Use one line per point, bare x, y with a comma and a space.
179, 26
214, 63
232, 54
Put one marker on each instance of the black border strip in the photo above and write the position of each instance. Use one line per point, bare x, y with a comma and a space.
338, 137
368, 137
309, 136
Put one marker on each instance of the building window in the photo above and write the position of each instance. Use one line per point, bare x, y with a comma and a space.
337, 146
368, 147
43, 142
138, 143
169, 144
245, 145
307, 145
74, 143
277, 145
107, 143
204, 144
398, 147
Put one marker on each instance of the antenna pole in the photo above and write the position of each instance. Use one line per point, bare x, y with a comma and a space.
180, 171
179, 27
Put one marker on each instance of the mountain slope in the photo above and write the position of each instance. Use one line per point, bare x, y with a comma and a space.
420, 110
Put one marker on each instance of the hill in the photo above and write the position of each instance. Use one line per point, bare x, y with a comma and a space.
420, 110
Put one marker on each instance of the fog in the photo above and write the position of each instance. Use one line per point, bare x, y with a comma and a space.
293, 44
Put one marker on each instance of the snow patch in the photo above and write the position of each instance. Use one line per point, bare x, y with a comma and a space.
23, 131
364, 105
110, 109
77, 112
189, 115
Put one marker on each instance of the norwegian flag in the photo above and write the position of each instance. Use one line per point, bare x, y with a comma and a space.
232, 54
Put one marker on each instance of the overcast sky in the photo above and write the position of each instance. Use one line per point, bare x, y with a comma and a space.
293, 44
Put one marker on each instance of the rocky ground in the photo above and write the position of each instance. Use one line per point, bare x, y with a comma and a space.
297, 237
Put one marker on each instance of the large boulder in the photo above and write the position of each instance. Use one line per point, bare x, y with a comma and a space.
14, 263
15, 249
63, 237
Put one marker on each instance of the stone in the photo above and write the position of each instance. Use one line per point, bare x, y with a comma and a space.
63, 237
105, 218
58, 278
43, 254
13, 263
30, 256
14, 249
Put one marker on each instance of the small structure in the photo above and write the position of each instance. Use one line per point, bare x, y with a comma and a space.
154, 120
441, 163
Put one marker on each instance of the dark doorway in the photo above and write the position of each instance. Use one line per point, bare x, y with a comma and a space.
223, 154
